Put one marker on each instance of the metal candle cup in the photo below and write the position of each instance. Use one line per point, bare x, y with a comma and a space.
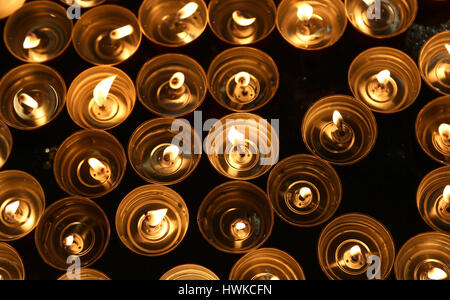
6, 143
189, 272
11, 265
8, 7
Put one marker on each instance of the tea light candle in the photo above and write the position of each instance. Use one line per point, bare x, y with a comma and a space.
173, 23
107, 35
385, 79
339, 129
6, 143
89, 163
189, 272
152, 220
346, 244
311, 25
267, 264
11, 265
87, 274
242, 146
304, 190
171, 85
243, 79
433, 131
434, 62
84, 3
101, 98
159, 153
235, 217
8, 7
31, 96
72, 226
22, 202
240, 23
425, 256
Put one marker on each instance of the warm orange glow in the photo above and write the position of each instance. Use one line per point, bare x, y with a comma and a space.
274, 277
177, 80
242, 79
444, 131
240, 226
241, 20
171, 152
68, 241
355, 251
96, 165
305, 12
384, 76
11, 209
101, 91
369, 2
234, 136
437, 274
155, 217
446, 193
121, 32
187, 11
27, 100
447, 46
305, 192
337, 118
31, 41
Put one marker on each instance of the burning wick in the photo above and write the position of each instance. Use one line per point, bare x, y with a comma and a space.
446, 194
447, 46
305, 193
239, 19
240, 229
170, 153
187, 11
305, 12
177, 81
155, 217
31, 41
444, 132
121, 32
355, 253
68, 241
383, 77
235, 137
338, 120
437, 274
11, 209
242, 79
369, 2
28, 101
101, 91
98, 170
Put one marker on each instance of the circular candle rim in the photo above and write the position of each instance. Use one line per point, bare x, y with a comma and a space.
405, 57
85, 201
119, 178
201, 2
373, 221
416, 127
411, 21
90, 11
63, 99
420, 61
363, 106
8, 24
10, 138
236, 183
99, 3
101, 275
180, 268
265, 35
249, 50
174, 56
71, 88
277, 21
129, 151
297, 157
19, 258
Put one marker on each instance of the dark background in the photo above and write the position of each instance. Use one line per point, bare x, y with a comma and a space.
383, 185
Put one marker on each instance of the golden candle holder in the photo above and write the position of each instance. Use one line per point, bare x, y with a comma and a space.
236, 217
243, 79
189, 272
173, 23
242, 146
381, 18
434, 62
22, 202
152, 220
84, 3
311, 24
433, 199
6, 143
38, 32
339, 129
385, 79
101, 97
164, 150
304, 190
171, 85
72, 227
107, 35
31, 95
242, 22
433, 129
425, 256
11, 265
9, 7
267, 264
356, 247
86, 274
89, 163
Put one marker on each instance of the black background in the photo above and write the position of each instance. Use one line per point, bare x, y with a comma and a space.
383, 185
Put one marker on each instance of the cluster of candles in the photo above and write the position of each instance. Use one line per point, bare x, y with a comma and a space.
237, 216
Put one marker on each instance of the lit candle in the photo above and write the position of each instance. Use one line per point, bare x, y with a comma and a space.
102, 107
11, 264
243, 88
442, 138
121, 32
73, 244
337, 134
174, 92
99, 170
436, 274
240, 229
31, 41
310, 26
155, 225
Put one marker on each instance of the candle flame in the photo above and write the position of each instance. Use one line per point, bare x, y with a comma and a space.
369, 2
155, 217
444, 131
437, 274
171, 152
187, 11
355, 250
96, 165
11, 209
234, 136
242, 79
241, 20
305, 12
68, 241
27, 100
447, 46
121, 32
177, 80
31, 41
274, 277
384, 76
101, 91
305, 192
337, 118
446, 193
240, 226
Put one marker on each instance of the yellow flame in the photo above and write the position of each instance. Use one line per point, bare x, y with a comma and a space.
121, 32
437, 274
447, 46
101, 91
240, 226
305, 12
305, 192
444, 131
241, 20
274, 277
355, 250
187, 11
155, 217
27, 100
369, 2
172, 151
11, 209
234, 136
446, 193
31, 41
337, 118
68, 241
242, 79
177, 80
96, 165
384, 76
